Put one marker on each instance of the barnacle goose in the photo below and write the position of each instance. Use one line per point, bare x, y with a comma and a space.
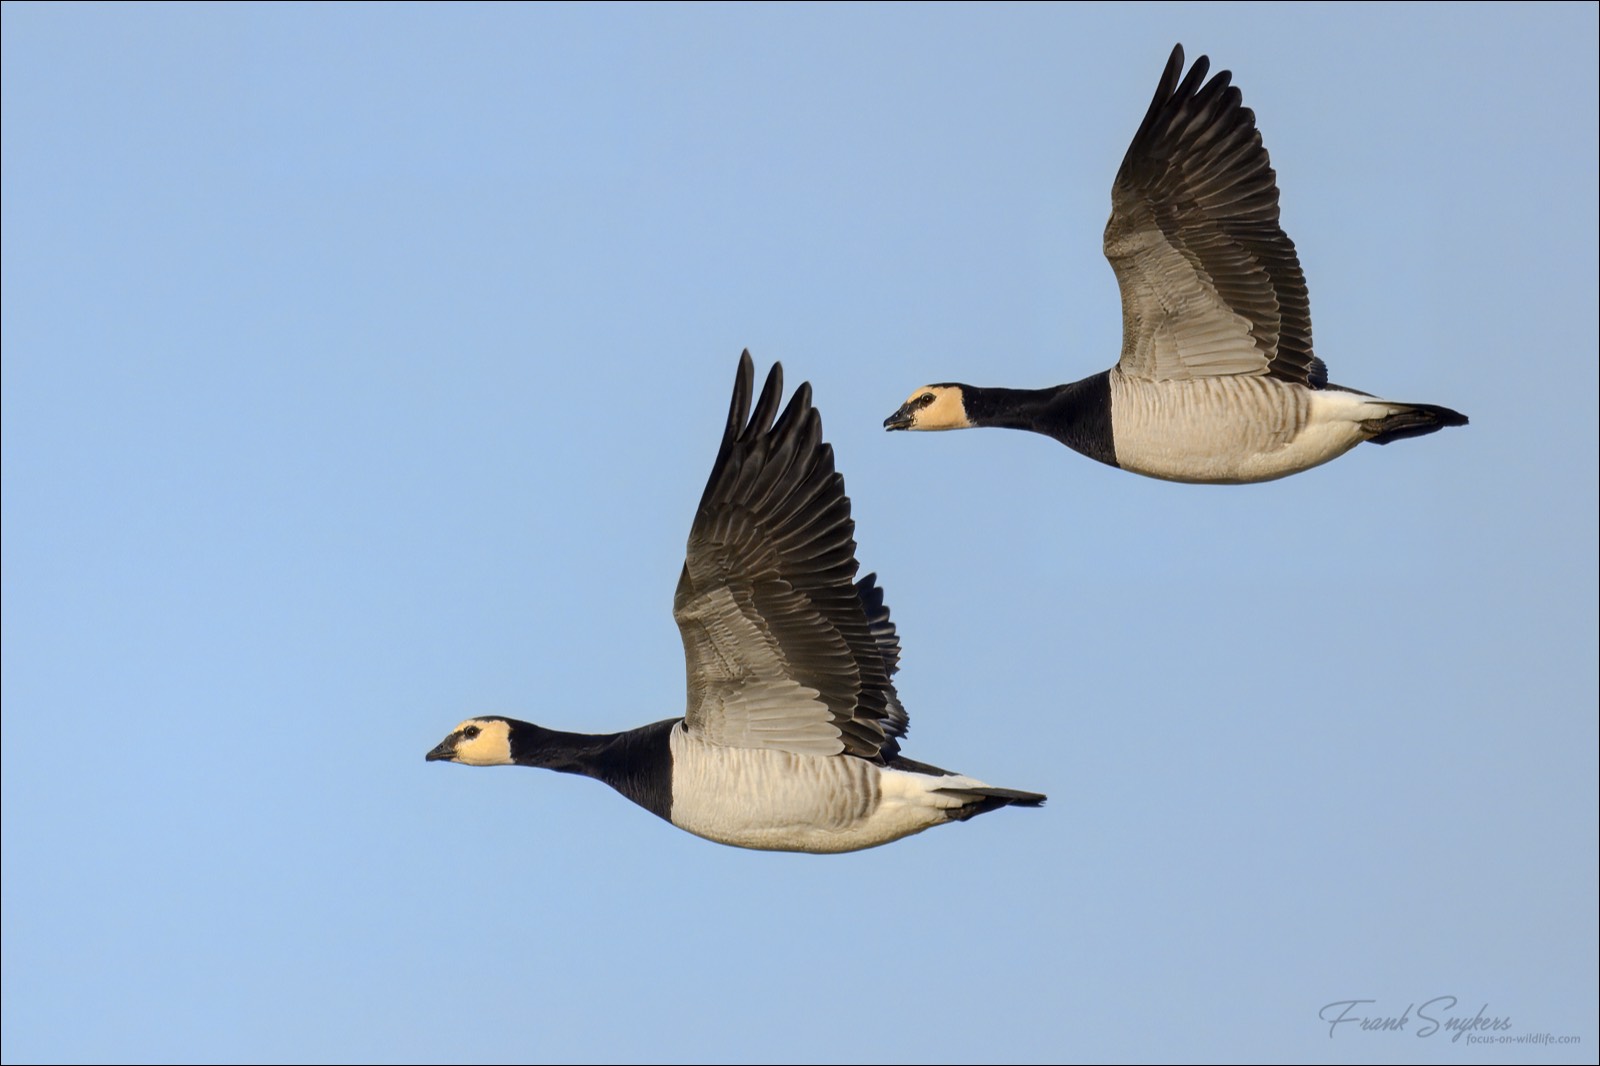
791, 741
1217, 381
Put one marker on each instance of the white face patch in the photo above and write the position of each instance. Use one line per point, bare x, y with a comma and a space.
938, 407
483, 742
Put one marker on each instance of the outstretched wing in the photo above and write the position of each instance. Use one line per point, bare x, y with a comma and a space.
784, 648
1211, 285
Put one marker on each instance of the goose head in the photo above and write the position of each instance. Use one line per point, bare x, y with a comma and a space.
476, 742
932, 407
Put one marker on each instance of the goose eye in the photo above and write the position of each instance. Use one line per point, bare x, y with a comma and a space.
471, 732
925, 399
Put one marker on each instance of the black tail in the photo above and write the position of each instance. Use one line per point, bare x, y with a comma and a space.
988, 799
1412, 420
979, 799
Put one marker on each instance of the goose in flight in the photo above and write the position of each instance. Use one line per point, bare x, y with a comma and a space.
1217, 381
791, 741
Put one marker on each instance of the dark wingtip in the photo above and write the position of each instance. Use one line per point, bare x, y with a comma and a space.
1165, 88
739, 406
767, 403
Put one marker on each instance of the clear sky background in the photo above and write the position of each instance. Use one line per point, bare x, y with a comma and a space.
362, 370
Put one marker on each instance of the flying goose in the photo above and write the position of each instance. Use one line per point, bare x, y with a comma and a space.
1217, 381
791, 739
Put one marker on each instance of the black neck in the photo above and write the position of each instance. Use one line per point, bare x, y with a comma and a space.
637, 763
1006, 408
1078, 415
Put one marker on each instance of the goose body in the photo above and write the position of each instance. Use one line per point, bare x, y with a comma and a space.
1217, 381
791, 738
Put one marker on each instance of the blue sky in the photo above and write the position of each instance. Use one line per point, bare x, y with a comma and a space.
363, 366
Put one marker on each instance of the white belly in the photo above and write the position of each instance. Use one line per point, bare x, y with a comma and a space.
1232, 429
780, 801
